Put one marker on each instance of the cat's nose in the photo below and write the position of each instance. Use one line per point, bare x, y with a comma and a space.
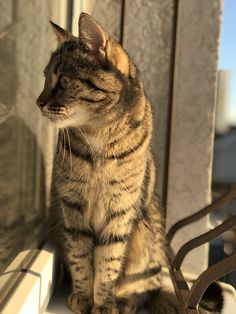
41, 103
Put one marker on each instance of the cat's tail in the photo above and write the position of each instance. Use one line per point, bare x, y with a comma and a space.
166, 302
212, 300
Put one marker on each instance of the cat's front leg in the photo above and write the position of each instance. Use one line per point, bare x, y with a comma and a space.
79, 259
109, 254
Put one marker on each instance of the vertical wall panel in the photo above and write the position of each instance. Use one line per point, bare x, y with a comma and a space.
148, 38
193, 116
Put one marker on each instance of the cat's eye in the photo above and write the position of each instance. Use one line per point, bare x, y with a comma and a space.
64, 81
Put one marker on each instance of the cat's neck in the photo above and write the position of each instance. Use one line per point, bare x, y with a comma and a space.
97, 140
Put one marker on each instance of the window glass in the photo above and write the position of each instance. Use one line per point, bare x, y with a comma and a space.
26, 140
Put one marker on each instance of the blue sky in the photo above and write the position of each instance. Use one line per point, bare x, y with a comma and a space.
228, 52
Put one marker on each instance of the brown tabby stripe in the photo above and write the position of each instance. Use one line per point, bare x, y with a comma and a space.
142, 275
92, 100
129, 188
90, 84
93, 86
112, 239
71, 205
146, 180
112, 259
77, 231
124, 135
82, 255
77, 153
131, 150
147, 274
131, 176
88, 157
118, 213
128, 132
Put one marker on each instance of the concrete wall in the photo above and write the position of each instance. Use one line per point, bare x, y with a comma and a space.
192, 123
107, 12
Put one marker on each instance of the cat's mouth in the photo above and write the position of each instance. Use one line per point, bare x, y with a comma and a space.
53, 117
66, 115
55, 114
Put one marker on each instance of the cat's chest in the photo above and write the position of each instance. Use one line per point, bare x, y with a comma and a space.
95, 191
98, 194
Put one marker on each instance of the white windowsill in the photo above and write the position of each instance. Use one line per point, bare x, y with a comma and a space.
34, 290
33, 293
58, 302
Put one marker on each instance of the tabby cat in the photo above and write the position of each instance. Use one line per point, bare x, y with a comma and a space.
104, 213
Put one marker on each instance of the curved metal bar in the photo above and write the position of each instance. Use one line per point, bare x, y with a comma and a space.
201, 213
210, 275
192, 244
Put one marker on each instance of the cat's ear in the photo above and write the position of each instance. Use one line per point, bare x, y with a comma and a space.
97, 40
91, 34
62, 34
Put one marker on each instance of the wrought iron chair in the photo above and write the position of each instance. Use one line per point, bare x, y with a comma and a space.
190, 298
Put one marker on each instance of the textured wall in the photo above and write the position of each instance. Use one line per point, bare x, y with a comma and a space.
193, 115
107, 12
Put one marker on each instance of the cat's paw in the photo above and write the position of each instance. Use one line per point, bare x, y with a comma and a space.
111, 309
79, 305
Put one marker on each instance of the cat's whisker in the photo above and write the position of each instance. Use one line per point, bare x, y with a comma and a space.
64, 153
71, 166
87, 141
94, 155
59, 152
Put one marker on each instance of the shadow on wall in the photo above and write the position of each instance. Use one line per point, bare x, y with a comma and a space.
22, 190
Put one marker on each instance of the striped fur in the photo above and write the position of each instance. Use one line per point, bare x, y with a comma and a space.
104, 214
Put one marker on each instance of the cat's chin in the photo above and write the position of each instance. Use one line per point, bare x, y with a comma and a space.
55, 120
66, 122
60, 123
73, 116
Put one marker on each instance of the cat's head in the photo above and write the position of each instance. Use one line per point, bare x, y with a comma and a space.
87, 80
